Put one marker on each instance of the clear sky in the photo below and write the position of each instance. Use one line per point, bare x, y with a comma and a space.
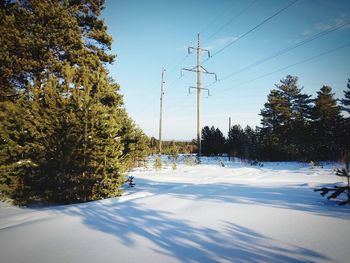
150, 34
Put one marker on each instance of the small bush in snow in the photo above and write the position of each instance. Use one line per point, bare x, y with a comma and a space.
313, 164
221, 163
174, 155
173, 166
256, 163
131, 181
190, 161
157, 163
336, 191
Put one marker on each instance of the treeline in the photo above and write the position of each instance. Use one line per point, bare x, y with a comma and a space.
168, 147
294, 126
65, 135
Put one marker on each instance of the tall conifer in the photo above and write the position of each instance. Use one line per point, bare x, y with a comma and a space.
66, 134
326, 122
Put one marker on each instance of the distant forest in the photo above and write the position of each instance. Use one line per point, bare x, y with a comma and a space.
294, 127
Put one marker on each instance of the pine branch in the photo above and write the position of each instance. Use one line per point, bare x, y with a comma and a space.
323, 190
344, 202
337, 192
342, 172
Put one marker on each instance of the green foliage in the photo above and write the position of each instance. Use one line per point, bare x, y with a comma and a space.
136, 142
242, 143
336, 191
294, 127
346, 100
213, 141
39, 37
66, 148
183, 147
343, 130
174, 154
326, 122
65, 135
285, 118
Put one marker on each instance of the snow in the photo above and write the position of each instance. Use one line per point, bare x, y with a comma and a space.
200, 213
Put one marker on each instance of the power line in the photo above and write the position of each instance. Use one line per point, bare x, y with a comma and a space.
183, 58
252, 29
169, 69
205, 28
287, 49
231, 20
173, 68
289, 66
180, 61
173, 82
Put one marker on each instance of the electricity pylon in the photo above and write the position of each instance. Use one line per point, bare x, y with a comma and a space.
199, 69
161, 111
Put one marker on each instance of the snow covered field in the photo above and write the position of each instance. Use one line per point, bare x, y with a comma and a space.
202, 213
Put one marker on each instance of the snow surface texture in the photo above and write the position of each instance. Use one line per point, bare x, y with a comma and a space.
201, 213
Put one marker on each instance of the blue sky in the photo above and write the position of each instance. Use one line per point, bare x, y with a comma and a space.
150, 34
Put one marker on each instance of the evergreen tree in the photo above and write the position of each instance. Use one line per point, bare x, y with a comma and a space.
67, 149
285, 117
236, 141
174, 154
135, 142
66, 137
39, 37
213, 141
346, 100
207, 140
326, 124
344, 131
251, 143
338, 190
153, 145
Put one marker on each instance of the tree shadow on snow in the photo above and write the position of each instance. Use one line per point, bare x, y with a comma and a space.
296, 197
183, 239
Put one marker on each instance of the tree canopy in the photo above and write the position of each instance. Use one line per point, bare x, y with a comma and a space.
65, 134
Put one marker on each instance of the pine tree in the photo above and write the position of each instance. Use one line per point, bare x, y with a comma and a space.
326, 123
251, 143
337, 190
39, 37
285, 117
28, 143
213, 141
174, 153
66, 136
135, 142
235, 141
207, 141
344, 130
346, 100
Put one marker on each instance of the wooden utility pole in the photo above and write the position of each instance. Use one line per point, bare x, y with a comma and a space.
229, 124
228, 135
161, 111
199, 69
